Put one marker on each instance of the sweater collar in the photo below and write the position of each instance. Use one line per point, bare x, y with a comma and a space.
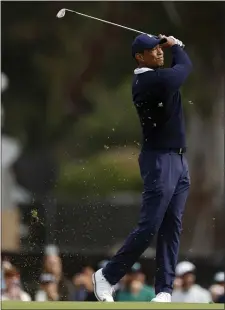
142, 70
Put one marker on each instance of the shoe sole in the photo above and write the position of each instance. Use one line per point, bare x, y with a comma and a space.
94, 284
95, 292
160, 301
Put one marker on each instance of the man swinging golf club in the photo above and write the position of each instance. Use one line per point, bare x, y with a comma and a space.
163, 166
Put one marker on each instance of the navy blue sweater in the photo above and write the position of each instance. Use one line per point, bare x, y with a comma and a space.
158, 102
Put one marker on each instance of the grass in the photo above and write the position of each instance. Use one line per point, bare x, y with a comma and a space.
99, 305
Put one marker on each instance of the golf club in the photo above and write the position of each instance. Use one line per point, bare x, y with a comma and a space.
62, 13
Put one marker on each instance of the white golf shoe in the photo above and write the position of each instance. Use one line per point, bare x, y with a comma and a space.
102, 288
162, 297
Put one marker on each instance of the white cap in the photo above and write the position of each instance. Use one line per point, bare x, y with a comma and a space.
51, 249
219, 277
184, 267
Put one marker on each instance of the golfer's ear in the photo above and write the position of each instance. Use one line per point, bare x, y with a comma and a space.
138, 57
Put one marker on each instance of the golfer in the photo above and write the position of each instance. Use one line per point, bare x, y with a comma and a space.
163, 166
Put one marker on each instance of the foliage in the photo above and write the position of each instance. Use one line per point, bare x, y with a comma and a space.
111, 171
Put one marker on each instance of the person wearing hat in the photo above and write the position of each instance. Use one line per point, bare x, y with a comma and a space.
48, 288
189, 291
52, 264
132, 286
216, 292
163, 166
217, 289
83, 287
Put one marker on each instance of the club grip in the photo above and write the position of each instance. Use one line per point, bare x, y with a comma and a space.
164, 40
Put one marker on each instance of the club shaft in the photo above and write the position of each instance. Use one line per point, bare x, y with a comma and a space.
104, 21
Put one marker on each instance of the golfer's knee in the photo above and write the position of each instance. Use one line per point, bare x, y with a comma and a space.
147, 229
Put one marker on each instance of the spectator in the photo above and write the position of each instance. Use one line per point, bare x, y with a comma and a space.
218, 288
48, 288
13, 290
84, 290
133, 288
216, 291
53, 265
189, 291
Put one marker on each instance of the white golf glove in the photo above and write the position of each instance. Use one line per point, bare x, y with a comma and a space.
178, 42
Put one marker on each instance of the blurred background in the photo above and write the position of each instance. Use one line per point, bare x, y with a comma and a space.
71, 187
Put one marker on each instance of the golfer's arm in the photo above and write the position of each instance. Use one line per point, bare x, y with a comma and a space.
173, 78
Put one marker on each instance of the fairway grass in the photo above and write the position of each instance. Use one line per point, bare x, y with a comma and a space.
99, 305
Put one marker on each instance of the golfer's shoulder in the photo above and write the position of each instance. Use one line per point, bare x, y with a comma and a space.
150, 79
164, 76
158, 77
163, 72
156, 74
150, 76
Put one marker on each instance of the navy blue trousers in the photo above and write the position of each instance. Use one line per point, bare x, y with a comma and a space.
166, 185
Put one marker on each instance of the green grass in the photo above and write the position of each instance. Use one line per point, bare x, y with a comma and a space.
99, 305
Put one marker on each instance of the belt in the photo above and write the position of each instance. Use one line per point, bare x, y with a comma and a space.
180, 150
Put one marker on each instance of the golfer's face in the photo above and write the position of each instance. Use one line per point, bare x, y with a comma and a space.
154, 58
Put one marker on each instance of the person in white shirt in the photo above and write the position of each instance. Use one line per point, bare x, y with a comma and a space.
13, 289
189, 292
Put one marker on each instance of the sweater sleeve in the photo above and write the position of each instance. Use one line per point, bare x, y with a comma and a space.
172, 79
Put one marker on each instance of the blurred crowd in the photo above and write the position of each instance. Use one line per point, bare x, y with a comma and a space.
53, 285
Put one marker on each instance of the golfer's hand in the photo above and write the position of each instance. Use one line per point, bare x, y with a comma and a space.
171, 41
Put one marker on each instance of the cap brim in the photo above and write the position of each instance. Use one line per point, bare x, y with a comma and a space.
156, 42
